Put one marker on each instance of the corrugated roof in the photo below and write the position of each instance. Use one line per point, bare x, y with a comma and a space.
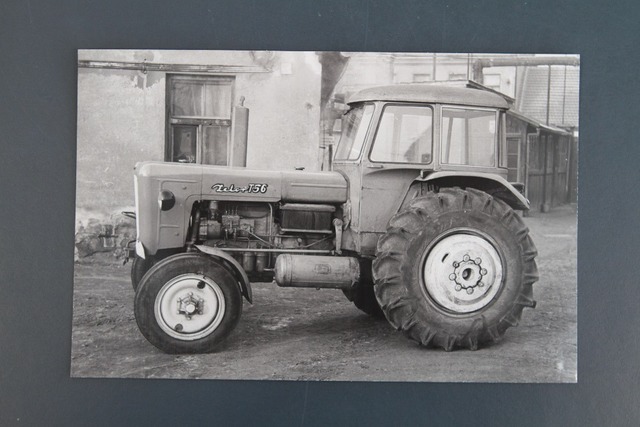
563, 100
430, 93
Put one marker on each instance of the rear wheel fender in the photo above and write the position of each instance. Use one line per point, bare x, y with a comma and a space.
490, 183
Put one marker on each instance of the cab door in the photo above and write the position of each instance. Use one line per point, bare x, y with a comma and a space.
402, 145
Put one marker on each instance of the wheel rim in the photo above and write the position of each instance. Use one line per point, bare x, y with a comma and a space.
462, 271
189, 307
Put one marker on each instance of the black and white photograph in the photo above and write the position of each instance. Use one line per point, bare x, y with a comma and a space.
326, 216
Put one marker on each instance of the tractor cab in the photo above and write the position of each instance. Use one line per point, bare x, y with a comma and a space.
425, 127
405, 138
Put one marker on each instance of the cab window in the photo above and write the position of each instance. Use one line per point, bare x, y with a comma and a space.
405, 135
469, 137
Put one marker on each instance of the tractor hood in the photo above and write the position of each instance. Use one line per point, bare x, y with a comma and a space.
239, 183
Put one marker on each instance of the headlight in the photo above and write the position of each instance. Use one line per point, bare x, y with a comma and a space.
167, 200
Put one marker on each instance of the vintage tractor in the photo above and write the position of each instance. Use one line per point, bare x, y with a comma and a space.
415, 222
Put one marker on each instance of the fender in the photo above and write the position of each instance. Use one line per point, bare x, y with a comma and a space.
237, 270
491, 183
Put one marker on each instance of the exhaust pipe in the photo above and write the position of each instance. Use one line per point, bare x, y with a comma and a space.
310, 271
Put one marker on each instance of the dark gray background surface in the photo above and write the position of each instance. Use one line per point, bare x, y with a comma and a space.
38, 44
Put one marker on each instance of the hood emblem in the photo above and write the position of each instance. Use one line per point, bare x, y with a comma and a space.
254, 188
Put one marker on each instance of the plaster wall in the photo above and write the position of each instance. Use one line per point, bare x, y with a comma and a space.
122, 118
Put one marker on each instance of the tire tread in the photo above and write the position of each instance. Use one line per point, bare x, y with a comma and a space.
392, 256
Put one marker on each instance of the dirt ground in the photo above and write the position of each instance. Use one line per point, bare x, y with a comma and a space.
308, 334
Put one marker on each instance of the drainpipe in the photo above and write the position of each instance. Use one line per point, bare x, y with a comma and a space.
239, 135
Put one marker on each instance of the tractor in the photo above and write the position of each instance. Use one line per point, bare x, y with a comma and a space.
415, 222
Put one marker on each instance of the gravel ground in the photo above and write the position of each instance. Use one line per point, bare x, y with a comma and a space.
308, 334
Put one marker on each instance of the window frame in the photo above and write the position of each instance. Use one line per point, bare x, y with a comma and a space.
378, 118
503, 145
496, 137
200, 122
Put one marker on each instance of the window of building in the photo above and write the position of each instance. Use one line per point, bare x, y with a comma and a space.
199, 119
421, 77
457, 76
404, 135
492, 81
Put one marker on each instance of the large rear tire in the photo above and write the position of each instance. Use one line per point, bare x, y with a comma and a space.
362, 294
455, 269
187, 303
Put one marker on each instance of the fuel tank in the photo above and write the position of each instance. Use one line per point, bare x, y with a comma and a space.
310, 271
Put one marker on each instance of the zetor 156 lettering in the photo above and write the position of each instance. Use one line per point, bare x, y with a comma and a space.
415, 222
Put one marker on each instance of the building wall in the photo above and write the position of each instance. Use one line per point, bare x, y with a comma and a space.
122, 118
121, 121
284, 118
549, 176
368, 69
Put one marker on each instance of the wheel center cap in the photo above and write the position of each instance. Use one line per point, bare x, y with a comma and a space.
467, 274
190, 305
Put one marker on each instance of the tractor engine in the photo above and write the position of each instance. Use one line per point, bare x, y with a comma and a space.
255, 233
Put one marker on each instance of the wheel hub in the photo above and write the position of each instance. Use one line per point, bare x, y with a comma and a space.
189, 307
468, 274
463, 271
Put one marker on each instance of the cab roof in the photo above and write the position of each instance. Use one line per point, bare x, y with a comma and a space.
432, 94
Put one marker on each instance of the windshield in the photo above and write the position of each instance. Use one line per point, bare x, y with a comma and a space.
354, 130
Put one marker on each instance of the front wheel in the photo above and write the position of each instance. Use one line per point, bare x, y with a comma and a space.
455, 269
187, 303
139, 268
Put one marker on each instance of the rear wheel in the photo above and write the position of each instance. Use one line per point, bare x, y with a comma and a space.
187, 303
362, 294
455, 269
